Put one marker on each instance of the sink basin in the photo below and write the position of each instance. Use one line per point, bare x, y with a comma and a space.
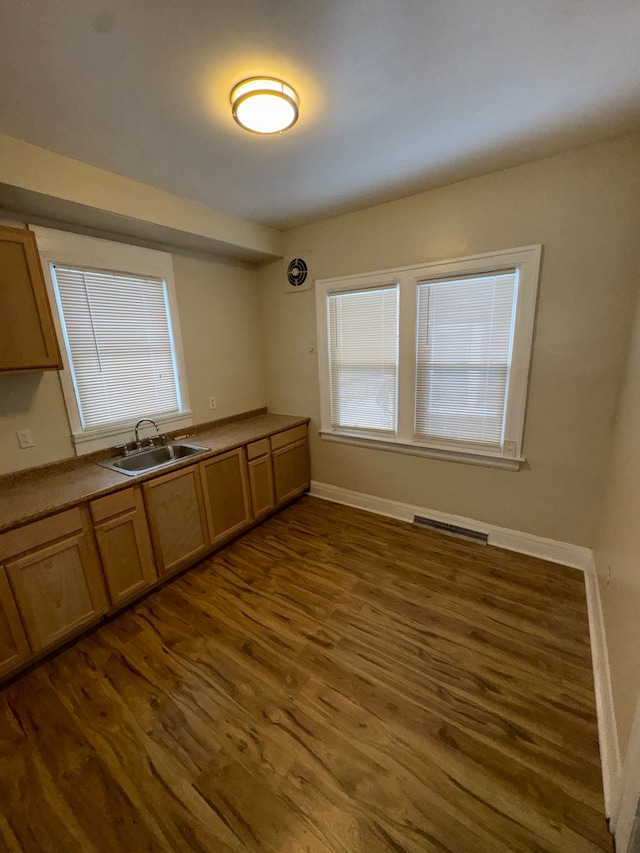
152, 458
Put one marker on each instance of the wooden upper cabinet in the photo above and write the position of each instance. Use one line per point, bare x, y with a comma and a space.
176, 518
14, 647
226, 494
55, 575
120, 525
27, 334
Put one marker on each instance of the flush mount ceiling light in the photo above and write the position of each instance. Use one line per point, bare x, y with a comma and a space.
264, 105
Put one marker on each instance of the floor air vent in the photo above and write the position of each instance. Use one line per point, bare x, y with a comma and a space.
451, 529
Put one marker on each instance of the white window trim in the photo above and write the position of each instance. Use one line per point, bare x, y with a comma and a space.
527, 261
63, 247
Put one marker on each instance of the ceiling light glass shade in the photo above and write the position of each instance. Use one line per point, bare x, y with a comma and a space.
264, 105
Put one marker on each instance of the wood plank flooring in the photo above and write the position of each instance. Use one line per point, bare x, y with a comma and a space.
333, 682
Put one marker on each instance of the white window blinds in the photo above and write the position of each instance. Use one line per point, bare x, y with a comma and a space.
118, 336
363, 359
465, 331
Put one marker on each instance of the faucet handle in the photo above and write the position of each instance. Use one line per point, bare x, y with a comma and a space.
123, 449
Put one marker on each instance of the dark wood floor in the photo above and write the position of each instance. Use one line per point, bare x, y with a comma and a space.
334, 682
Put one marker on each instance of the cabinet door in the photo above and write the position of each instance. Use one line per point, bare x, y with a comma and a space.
261, 485
124, 544
176, 518
27, 335
58, 588
14, 647
291, 470
226, 494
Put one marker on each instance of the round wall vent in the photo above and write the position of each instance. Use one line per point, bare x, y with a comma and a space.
297, 272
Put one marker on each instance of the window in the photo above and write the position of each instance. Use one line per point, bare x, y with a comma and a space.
462, 357
117, 324
432, 360
363, 354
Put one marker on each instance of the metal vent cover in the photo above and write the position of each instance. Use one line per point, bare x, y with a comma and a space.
297, 272
451, 529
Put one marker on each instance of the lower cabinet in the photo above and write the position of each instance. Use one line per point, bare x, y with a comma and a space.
55, 575
14, 647
226, 494
290, 454
260, 477
177, 520
59, 575
120, 526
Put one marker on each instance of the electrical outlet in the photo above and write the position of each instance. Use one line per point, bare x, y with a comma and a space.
608, 578
25, 439
212, 402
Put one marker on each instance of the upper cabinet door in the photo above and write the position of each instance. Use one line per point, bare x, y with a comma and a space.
27, 334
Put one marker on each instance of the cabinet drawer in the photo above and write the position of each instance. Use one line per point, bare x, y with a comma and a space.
258, 448
103, 508
289, 436
39, 533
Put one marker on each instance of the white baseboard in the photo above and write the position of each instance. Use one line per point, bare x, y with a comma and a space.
624, 818
547, 549
607, 729
502, 537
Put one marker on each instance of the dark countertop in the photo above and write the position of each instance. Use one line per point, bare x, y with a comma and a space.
29, 495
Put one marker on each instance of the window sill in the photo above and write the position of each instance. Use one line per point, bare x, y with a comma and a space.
99, 439
486, 460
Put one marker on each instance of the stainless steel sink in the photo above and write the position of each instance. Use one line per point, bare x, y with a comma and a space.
152, 458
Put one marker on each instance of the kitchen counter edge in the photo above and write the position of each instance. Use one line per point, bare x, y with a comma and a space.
38, 497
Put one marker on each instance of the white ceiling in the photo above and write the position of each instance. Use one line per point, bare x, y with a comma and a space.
396, 96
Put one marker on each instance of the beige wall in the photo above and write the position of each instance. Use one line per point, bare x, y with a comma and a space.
584, 207
617, 548
59, 186
219, 318
221, 336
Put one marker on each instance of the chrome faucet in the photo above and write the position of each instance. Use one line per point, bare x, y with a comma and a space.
148, 420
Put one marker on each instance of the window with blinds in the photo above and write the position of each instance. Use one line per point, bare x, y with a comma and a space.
463, 354
363, 359
436, 364
118, 334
